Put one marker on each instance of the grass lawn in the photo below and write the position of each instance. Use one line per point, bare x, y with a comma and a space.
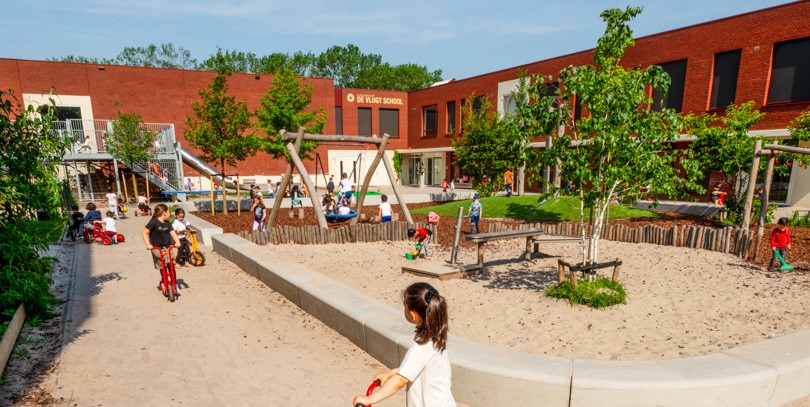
526, 207
52, 230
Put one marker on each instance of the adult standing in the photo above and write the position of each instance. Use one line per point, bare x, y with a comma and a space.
508, 180
112, 202
345, 187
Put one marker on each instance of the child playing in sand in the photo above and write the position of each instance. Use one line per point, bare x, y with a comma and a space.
108, 223
423, 237
474, 212
384, 211
780, 241
426, 366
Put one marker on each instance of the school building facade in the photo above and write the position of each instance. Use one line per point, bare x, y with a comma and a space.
762, 56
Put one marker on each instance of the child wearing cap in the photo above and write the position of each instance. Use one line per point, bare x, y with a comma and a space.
474, 212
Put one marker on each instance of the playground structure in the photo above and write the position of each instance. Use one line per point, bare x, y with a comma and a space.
771, 151
293, 144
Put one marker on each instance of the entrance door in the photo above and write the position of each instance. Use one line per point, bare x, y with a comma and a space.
429, 172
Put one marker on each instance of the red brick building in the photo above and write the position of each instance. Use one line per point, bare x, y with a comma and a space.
762, 56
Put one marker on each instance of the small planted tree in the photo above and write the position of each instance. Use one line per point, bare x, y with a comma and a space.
221, 127
489, 146
285, 106
621, 145
130, 142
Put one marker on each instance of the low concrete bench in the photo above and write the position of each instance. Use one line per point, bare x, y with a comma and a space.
532, 237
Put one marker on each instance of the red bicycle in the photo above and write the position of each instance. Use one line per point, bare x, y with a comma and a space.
168, 283
370, 390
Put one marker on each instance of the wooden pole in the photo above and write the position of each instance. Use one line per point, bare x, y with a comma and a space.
374, 163
457, 235
333, 138
764, 198
285, 182
752, 182
293, 150
126, 194
238, 197
616, 270
560, 272
573, 275
481, 256
211, 179
393, 178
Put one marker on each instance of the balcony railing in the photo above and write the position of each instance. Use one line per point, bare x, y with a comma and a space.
88, 136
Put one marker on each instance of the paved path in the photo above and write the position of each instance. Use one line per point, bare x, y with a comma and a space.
227, 341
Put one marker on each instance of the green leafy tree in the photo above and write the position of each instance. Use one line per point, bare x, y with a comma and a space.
286, 106
29, 155
799, 136
723, 145
161, 56
238, 61
489, 146
622, 146
404, 77
344, 64
130, 141
221, 127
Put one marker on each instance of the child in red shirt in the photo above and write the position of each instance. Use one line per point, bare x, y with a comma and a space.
423, 237
780, 241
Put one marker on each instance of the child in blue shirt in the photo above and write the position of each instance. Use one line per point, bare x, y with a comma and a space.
474, 212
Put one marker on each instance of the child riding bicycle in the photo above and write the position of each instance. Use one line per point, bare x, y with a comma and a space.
158, 233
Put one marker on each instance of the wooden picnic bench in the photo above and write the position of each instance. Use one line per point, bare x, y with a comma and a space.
532, 236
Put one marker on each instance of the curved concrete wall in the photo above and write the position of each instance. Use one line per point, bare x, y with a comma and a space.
766, 373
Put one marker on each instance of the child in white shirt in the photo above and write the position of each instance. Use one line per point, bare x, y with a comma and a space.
109, 226
426, 366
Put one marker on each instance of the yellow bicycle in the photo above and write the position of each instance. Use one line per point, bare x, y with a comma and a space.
197, 257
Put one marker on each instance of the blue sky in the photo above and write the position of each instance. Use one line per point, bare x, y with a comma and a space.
463, 38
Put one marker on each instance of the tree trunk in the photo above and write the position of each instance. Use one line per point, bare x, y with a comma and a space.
224, 194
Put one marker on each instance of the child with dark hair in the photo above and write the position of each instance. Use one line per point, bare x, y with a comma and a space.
426, 366
384, 210
423, 237
295, 198
780, 241
158, 233
93, 215
180, 226
108, 224
76, 220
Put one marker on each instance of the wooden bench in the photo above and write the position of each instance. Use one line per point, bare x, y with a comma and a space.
532, 237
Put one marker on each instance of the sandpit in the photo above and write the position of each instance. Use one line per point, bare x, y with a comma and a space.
681, 302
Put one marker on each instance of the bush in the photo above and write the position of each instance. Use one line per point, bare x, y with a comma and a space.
26, 276
797, 220
598, 293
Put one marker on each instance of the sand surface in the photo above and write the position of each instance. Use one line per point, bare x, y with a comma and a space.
681, 302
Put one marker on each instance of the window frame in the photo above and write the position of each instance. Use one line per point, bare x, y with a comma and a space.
435, 130
381, 121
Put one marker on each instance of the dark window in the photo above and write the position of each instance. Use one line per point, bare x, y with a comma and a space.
790, 73
364, 121
724, 83
463, 114
577, 108
389, 122
430, 121
674, 97
451, 117
338, 120
478, 103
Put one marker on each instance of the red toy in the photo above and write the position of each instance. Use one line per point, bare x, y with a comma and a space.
169, 281
143, 210
98, 234
371, 388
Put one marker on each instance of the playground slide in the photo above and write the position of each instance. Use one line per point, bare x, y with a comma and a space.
199, 165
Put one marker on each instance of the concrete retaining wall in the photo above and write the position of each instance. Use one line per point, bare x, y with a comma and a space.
766, 373
205, 229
